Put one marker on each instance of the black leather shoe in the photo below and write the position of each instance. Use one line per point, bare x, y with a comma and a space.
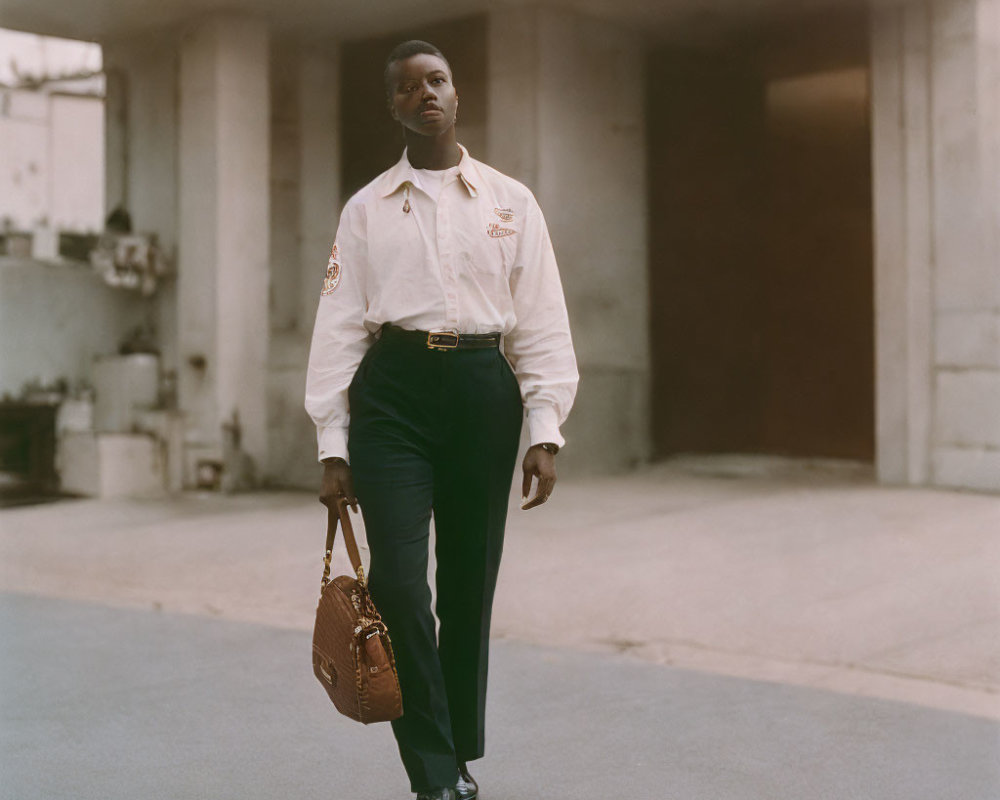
466, 788
438, 794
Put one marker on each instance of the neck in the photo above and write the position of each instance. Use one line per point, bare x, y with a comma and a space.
433, 152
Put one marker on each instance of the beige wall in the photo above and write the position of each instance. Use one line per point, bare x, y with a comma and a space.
306, 200
141, 154
55, 319
935, 108
566, 117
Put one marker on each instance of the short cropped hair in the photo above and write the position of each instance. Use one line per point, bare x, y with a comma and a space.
403, 51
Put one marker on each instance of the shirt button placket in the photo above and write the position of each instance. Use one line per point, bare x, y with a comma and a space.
447, 268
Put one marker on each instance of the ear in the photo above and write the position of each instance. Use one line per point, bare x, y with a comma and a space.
391, 108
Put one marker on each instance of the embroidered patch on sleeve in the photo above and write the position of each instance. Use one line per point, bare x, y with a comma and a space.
497, 232
332, 278
506, 214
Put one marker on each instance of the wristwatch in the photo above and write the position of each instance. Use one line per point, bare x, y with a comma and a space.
549, 447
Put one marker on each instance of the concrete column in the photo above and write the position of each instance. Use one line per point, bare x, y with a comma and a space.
314, 78
902, 190
224, 228
320, 198
566, 116
285, 187
936, 152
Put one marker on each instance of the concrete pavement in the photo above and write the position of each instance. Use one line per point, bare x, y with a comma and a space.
705, 629
117, 704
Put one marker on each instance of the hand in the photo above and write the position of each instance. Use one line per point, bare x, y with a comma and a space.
538, 463
337, 484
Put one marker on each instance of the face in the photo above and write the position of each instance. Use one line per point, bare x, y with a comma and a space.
421, 95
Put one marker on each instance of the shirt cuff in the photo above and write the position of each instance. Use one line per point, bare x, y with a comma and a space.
543, 426
332, 442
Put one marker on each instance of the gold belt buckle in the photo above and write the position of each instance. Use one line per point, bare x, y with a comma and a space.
442, 340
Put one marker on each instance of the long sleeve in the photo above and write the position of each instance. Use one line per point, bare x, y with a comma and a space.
540, 347
340, 338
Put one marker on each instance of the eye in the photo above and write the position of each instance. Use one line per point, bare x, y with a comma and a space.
438, 80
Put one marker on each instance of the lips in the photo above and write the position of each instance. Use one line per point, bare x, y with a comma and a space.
431, 109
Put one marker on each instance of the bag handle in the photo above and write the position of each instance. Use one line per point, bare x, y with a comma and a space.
341, 513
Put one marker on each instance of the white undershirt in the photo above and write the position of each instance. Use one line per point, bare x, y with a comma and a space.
433, 180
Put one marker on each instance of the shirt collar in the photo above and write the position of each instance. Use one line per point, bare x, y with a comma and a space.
402, 173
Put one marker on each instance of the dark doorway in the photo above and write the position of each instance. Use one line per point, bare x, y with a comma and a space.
761, 274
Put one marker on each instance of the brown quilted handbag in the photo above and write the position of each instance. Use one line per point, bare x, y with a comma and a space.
351, 654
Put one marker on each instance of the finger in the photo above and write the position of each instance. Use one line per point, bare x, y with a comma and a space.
526, 485
534, 502
349, 495
545, 487
544, 490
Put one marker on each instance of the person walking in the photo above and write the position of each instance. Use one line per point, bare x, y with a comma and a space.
441, 326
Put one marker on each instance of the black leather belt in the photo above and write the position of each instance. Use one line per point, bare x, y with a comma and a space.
444, 340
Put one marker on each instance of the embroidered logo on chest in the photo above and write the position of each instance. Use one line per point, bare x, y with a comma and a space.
497, 232
332, 278
506, 214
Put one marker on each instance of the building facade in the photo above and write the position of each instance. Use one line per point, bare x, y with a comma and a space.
778, 229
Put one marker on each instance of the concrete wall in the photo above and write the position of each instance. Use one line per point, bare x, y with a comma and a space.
55, 319
286, 158
305, 205
936, 150
565, 113
141, 154
566, 116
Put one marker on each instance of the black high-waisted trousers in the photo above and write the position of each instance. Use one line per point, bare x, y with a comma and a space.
437, 432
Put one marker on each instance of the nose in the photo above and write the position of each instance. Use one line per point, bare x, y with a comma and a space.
428, 93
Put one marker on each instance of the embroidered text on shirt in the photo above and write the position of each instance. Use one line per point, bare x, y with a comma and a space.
332, 278
494, 230
506, 214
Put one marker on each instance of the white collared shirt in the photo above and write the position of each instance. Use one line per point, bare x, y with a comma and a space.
472, 255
